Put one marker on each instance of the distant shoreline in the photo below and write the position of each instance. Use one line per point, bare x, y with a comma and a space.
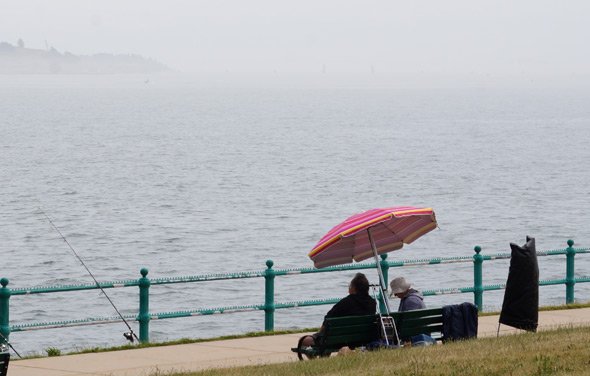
21, 60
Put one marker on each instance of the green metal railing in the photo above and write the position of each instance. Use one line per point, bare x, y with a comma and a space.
270, 306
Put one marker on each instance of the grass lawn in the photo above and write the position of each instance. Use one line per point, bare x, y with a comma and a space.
560, 352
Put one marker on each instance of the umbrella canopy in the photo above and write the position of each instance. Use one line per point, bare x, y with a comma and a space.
389, 228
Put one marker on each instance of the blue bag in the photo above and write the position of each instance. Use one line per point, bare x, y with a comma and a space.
422, 340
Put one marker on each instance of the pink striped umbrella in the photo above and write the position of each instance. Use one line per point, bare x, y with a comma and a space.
372, 233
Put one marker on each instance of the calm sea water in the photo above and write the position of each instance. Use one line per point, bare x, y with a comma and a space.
188, 180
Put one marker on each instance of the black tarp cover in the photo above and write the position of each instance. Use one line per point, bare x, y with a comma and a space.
520, 308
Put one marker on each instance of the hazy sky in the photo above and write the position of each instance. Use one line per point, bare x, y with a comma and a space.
463, 38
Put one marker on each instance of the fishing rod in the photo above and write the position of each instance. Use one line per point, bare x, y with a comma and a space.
130, 336
9, 345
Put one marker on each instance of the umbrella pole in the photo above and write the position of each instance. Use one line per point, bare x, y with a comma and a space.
380, 272
388, 320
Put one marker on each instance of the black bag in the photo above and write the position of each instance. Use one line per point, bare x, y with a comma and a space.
520, 308
300, 350
4, 359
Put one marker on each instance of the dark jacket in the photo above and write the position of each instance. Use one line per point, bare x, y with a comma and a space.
413, 300
353, 305
459, 321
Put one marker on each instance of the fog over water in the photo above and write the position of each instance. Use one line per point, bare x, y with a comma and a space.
277, 122
456, 42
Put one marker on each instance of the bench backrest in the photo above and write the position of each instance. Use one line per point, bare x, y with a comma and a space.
350, 331
421, 321
360, 330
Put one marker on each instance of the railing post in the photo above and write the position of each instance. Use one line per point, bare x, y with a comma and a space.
4, 310
570, 278
269, 297
385, 270
144, 307
478, 278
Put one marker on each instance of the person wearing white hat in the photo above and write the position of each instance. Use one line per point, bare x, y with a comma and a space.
410, 299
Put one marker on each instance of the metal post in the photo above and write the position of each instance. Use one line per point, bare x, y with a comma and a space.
570, 278
269, 297
4, 310
384, 268
385, 272
380, 272
478, 278
144, 307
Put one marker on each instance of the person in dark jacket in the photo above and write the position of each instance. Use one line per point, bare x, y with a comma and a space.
358, 302
410, 299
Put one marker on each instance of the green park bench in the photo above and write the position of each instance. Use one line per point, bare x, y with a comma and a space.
357, 331
421, 321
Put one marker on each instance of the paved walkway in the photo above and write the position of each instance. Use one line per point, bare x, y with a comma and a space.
221, 354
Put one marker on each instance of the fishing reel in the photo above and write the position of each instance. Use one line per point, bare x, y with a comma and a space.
129, 336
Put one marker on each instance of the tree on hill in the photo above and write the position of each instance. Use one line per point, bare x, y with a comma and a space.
20, 43
6, 47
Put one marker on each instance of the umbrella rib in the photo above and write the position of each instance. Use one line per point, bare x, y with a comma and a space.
353, 247
390, 230
376, 225
393, 232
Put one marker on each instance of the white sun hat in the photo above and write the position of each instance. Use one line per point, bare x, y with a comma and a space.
399, 285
